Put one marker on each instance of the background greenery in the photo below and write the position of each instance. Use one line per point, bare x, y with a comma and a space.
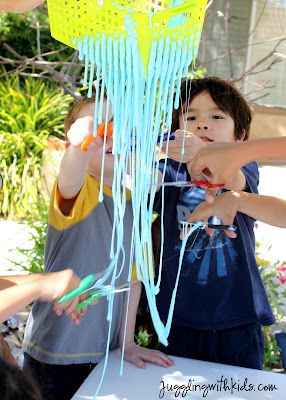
31, 111
274, 278
18, 31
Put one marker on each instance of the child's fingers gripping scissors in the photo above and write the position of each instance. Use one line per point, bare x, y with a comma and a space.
69, 302
229, 230
107, 290
100, 132
89, 287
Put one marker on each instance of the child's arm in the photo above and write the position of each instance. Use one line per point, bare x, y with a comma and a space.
72, 172
19, 5
7, 281
132, 352
270, 210
219, 161
186, 146
17, 292
236, 181
75, 162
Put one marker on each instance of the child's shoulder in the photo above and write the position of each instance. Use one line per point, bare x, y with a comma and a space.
66, 212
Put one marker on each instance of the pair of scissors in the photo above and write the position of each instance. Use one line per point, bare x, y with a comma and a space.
219, 227
87, 285
100, 132
109, 130
203, 184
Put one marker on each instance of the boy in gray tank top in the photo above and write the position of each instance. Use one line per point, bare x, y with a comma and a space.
60, 354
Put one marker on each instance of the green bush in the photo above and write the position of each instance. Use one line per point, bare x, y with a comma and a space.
19, 32
143, 338
32, 259
273, 277
30, 112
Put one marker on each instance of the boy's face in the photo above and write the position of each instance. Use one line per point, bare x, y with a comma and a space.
207, 121
95, 160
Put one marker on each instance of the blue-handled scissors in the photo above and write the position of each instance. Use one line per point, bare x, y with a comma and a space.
165, 137
219, 227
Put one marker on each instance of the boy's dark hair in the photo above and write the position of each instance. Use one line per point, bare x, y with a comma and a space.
225, 95
16, 384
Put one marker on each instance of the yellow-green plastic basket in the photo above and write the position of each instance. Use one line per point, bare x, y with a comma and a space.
146, 20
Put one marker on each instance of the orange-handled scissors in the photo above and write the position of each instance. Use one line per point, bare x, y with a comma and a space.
100, 132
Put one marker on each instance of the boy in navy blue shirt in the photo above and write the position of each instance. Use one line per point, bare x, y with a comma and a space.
221, 302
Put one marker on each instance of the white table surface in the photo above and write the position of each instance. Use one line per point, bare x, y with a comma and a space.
146, 384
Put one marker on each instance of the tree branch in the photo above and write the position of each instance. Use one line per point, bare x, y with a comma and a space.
251, 70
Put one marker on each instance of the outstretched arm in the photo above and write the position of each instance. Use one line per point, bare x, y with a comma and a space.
16, 292
219, 161
19, 5
268, 209
75, 162
186, 146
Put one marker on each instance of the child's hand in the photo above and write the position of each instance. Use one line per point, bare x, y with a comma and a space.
217, 162
224, 206
186, 141
138, 355
55, 285
80, 130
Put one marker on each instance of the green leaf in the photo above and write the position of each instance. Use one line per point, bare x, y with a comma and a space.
30, 112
